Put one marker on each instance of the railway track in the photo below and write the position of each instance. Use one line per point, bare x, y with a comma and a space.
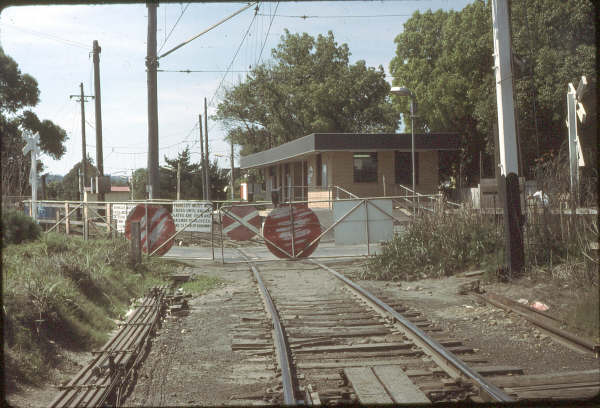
306, 335
344, 345
105, 380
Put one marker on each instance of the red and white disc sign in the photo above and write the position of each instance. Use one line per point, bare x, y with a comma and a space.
238, 231
160, 227
279, 229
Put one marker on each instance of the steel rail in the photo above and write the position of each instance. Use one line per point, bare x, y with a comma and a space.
281, 345
490, 389
92, 388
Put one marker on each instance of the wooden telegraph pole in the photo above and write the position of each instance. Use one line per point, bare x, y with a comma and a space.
82, 99
232, 168
206, 174
575, 110
151, 66
507, 132
99, 157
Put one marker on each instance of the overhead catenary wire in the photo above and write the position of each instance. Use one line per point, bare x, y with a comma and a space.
47, 36
305, 16
268, 31
233, 59
207, 30
174, 25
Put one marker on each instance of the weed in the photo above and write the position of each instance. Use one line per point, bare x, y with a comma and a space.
436, 245
64, 291
200, 284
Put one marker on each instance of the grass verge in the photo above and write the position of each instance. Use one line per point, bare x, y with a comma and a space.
201, 284
64, 292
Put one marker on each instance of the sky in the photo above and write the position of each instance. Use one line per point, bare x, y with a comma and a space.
54, 43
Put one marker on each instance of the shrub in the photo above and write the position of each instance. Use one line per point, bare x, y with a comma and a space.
436, 245
18, 227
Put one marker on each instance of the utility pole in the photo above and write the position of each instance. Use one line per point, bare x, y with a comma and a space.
575, 110
32, 145
99, 158
151, 66
202, 164
206, 175
82, 100
507, 132
232, 168
179, 180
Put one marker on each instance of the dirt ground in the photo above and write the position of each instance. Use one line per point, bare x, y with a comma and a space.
192, 364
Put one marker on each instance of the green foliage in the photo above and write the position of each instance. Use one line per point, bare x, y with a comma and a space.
310, 86
70, 182
17, 92
67, 292
436, 245
18, 227
201, 284
446, 58
191, 179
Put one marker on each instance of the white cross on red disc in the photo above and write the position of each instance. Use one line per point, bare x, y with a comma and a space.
160, 228
281, 231
236, 230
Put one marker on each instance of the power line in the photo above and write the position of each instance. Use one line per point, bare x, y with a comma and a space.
305, 17
174, 25
188, 71
207, 30
234, 56
268, 31
47, 36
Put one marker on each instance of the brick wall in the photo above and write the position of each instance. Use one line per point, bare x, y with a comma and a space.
342, 173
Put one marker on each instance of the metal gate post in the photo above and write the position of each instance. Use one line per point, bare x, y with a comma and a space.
212, 241
147, 235
367, 224
222, 251
292, 229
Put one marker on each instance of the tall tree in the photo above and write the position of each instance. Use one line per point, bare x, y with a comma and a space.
308, 87
19, 91
191, 183
446, 59
70, 182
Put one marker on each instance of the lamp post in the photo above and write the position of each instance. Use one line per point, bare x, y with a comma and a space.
403, 91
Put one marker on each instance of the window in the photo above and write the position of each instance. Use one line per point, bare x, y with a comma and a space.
365, 167
403, 168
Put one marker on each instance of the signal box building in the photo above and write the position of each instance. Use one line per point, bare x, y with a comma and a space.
367, 165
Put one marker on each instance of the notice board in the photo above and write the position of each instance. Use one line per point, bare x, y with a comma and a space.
186, 211
119, 213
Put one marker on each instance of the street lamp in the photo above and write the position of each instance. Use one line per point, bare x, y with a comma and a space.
403, 91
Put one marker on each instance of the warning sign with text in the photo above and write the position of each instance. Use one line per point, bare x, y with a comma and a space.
198, 211
119, 213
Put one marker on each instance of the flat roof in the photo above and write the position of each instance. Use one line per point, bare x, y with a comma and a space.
325, 142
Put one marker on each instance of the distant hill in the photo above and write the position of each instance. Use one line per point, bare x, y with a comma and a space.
53, 177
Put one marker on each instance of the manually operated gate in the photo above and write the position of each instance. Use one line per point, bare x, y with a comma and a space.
331, 227
293, 230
